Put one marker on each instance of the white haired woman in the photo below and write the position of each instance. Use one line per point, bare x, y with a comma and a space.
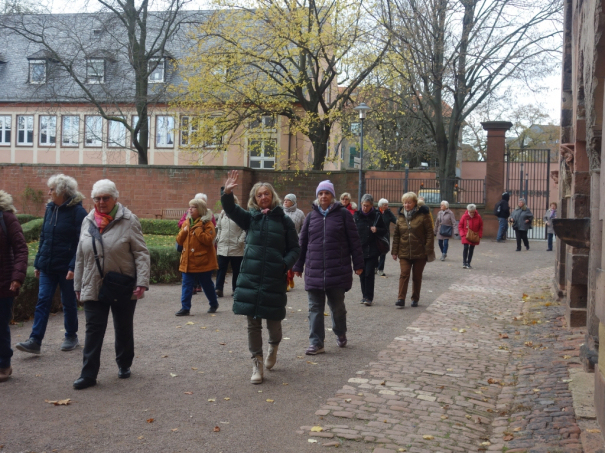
56, 260
471, 232
298, 217
198, 258
387, 217
271, 250
112, 273
445, 228
413, 244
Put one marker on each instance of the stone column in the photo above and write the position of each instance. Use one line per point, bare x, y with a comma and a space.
494, 176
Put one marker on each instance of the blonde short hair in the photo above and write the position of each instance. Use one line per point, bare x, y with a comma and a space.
252, 204
200, 205
409, 196
345, 194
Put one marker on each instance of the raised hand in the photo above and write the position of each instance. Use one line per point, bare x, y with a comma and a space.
231, 182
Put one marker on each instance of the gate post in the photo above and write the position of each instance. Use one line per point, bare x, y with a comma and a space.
494, 176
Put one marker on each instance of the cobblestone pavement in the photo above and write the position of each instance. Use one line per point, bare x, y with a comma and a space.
485, 368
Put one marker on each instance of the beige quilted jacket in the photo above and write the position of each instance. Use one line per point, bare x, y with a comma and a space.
230, 239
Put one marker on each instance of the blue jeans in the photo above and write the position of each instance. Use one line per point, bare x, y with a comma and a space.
6, 314
205, 279
317, 305
443, 245
502, 228
47, 287
550, 236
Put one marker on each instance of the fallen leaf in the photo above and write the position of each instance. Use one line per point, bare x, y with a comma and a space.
164, 356
317, 429
402, 449
427, 437
325, 314
300, 356
216, 429
312, 363
284, 383
212, 315
270, 401
517, 332
567, 357
449, 369
529, 344
179, 327
190, 323
468, 416
525, 296
226, 399
536, 390
593, 431
222, 344
285, 338
503, 335
348, 400
486, 444
193, 368
174, 430
188, 393
173, 375
150, 420
312, 441
65, 402
508, 437
517, 429
383, 383
462, 330
140, 437
203, 327
444, 417
211, 400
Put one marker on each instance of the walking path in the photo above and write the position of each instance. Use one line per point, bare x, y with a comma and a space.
485, 368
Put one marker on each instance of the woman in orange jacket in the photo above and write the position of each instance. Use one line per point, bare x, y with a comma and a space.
198, 258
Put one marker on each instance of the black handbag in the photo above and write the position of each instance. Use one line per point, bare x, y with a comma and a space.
446, 231
116, 287
382, 243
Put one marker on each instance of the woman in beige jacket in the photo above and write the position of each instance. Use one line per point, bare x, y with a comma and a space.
121, 248
230, 244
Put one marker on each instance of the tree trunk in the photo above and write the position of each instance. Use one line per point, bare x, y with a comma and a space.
319, 134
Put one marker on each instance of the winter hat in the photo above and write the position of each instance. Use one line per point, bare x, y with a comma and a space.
291, 197
326, 185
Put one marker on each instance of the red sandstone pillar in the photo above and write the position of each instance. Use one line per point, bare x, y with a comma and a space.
494, 176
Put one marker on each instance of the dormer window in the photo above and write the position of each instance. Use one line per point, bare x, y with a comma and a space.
95, 70
263, 122
37, 71
157, 75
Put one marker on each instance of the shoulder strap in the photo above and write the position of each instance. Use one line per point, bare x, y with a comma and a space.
345, 212
94, 247
4, 229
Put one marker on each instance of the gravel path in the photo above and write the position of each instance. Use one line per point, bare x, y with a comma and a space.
114, 415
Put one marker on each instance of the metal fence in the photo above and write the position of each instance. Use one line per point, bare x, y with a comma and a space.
456, 191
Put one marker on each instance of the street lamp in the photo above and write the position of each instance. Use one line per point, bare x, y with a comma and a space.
362, 109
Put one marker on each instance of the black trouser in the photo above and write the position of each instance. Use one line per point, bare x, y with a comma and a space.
521, 235
381, 260
367, 277
223, 264
467, 254
97, 314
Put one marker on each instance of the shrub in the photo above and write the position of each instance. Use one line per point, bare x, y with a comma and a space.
164, 264
32, 229
160, 226
24, 218
24, 306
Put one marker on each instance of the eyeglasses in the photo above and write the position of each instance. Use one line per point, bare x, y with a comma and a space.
104, 199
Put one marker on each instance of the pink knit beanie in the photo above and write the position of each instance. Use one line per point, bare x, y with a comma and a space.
326, 185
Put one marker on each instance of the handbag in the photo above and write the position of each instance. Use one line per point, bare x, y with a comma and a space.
446, 231
382, 243
116, 287
471, 236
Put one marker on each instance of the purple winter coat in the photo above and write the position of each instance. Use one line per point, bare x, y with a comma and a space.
326, 246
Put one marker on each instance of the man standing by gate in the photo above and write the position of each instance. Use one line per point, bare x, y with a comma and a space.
502, 211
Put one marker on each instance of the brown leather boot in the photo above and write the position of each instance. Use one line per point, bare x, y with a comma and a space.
5, 373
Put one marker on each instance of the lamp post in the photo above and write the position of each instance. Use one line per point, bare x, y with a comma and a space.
362, 109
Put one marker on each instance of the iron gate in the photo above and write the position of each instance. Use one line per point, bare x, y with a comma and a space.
527, 176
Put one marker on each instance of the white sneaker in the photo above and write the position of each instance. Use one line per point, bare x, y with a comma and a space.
271, 357
257, 370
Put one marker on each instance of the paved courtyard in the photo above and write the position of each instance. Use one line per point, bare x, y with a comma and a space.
477, 367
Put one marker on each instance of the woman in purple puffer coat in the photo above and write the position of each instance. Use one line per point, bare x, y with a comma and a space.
328, 240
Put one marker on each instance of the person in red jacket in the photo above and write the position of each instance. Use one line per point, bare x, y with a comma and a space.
13, 267
470, 220
345, 200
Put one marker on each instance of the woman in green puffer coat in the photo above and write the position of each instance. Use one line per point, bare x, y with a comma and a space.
271, 250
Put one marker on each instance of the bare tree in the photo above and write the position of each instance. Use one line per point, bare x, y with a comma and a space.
455, 53
109, 59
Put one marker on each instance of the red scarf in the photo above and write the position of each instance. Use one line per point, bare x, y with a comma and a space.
102, 220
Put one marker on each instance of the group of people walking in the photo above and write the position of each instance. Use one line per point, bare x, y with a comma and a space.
100, 258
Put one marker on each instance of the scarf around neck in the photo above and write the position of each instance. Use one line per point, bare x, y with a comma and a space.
102, 220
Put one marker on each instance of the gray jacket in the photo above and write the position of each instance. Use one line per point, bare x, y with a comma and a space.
297, 216
230, 238
519, 217
123, 250
447, 218
547, 221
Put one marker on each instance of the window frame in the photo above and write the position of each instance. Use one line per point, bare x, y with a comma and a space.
262, 159
110, 142
190, 130
157, 131
4, 129
91, 79
33, 63
162, 63
86, 145
70, 145
25, 144
40, 143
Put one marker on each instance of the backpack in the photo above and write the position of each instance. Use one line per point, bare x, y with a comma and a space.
498, 208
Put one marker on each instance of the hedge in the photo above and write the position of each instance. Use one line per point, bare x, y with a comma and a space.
160, 226
32, 230
164, 264
24, 218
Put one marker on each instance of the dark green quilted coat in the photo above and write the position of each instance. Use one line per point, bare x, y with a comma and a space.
271, 249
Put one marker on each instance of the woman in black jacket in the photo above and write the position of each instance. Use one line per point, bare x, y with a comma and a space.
387, 217
56, 260
370, 227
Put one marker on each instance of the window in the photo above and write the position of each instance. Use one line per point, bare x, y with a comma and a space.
135, 120
93, 131
157, 75
95, 71
37, 71
48, 130
263, 122
70, 131
117, 134
189, 126
5, 130
262, 153
164, 131
25, 129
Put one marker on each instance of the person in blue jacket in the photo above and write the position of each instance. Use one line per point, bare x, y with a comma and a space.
55, 261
